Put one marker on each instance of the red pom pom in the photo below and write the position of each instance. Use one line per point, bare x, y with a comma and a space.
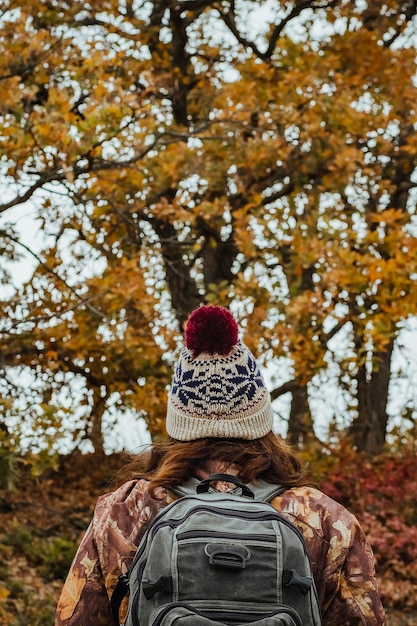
211, 329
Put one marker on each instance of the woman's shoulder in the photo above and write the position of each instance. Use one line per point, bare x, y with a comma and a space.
314, 507
131, 489
310, 497
130, 498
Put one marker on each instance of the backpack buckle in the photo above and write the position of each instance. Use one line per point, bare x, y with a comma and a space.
164, 583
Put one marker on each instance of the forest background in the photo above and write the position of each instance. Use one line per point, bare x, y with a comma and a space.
155, 156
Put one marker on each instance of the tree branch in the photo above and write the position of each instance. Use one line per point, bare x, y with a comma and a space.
42, 263
408, 16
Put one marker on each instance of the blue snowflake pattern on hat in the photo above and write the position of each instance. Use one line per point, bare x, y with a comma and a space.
233, 385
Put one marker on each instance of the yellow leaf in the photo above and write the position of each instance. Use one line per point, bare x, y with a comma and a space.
4, 592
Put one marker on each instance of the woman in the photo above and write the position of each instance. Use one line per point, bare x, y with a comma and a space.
219, 419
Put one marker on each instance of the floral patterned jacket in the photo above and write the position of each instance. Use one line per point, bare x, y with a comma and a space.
342, 560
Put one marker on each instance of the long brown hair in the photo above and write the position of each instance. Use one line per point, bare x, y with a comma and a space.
172, 462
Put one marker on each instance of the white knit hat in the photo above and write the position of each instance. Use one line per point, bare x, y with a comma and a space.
217, 388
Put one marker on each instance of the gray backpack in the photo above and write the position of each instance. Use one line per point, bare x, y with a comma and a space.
213, 558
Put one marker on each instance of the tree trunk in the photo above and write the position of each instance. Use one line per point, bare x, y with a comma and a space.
369, 429
183, 290
96, 431
300, 423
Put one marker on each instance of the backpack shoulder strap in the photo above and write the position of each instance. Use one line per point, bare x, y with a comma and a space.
189, 488
120, 591
265, 492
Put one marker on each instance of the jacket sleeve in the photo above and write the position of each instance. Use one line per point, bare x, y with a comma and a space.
84, 598
107, 549
342, 560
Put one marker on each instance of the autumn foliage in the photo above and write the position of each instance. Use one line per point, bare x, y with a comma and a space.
382, 494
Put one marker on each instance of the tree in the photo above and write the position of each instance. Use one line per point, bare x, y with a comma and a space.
180, 153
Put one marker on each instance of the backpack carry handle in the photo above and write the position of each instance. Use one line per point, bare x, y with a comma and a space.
229, 556
204, 485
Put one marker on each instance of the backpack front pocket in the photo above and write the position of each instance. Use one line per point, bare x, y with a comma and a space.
228, 564
178, 614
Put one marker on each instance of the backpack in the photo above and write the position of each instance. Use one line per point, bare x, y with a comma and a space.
214, 558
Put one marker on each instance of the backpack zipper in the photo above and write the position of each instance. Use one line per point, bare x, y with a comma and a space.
217, 614
194, 534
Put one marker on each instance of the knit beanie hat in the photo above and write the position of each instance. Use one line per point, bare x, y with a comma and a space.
217, 388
